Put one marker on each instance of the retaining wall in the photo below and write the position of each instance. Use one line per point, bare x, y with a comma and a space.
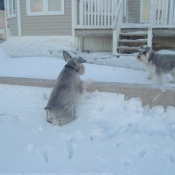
151, 95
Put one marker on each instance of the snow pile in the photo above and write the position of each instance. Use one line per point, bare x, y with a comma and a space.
49, 46
49, 68
111, 135
3, 55
37, 46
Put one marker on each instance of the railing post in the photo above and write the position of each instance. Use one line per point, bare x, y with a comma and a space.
117, 26
150, 36
172, 13
81, 12
114, 42
165, 12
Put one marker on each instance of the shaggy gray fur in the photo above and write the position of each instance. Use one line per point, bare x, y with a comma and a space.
157, 64
64, 96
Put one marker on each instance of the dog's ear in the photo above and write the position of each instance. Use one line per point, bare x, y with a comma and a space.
66, 56
81, 60
140, 48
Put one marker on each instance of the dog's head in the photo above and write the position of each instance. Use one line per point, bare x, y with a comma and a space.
75, 63
144, 54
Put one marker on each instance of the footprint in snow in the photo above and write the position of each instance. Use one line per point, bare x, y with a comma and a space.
70, 149
126, 162
45, 153
119, 143
77, 135
142, 152
102, 107
171, 156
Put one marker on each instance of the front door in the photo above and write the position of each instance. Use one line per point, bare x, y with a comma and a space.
144, 11
160, 13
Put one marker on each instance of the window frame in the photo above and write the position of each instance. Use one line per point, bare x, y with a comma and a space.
13, 15
45, 12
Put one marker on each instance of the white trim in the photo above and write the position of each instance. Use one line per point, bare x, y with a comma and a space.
19, 17
8, 10
124, 11
74, 15
45, 12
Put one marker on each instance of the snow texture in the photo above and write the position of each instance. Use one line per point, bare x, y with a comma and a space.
111, 135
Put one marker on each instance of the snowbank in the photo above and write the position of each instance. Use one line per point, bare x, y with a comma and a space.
3, 55
111, 135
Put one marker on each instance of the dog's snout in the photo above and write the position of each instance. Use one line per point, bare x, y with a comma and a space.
138, 56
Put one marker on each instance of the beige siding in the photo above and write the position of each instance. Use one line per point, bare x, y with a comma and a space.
99, 44
13, 26
133, 11
164, 42
47, 24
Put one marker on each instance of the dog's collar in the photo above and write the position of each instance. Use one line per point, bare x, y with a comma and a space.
71, 67
151, 57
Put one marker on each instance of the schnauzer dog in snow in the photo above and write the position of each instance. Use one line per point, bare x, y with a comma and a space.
64, 96
157, 64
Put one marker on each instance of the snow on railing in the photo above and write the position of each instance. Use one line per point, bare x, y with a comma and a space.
97, 13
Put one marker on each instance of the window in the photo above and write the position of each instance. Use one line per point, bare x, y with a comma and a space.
45, 7
11, 8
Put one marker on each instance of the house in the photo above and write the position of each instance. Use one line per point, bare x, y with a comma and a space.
96, 25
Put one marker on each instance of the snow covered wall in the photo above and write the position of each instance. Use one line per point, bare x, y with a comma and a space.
150, 95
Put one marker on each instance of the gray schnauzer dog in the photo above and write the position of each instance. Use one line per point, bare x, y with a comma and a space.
157, 64
65, 94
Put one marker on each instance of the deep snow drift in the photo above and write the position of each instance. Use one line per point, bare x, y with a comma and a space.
111, 135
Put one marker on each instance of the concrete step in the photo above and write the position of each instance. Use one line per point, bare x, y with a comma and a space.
133, 41
137, 33
126, 48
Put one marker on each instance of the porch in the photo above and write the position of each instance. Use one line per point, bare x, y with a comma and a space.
108, 19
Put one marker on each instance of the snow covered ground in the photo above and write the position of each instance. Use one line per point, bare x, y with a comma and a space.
111, 136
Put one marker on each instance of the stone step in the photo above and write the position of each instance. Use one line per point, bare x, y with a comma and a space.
133, 41
137, 33
126, 48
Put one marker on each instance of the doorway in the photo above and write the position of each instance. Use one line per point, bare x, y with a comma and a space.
145, 11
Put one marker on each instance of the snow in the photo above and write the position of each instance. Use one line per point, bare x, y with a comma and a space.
111, 136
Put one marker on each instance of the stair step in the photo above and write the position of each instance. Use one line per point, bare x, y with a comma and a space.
133, 41
137, 33
128, 48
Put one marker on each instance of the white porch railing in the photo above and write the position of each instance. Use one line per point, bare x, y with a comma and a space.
97, 13
117, 24
162, 12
